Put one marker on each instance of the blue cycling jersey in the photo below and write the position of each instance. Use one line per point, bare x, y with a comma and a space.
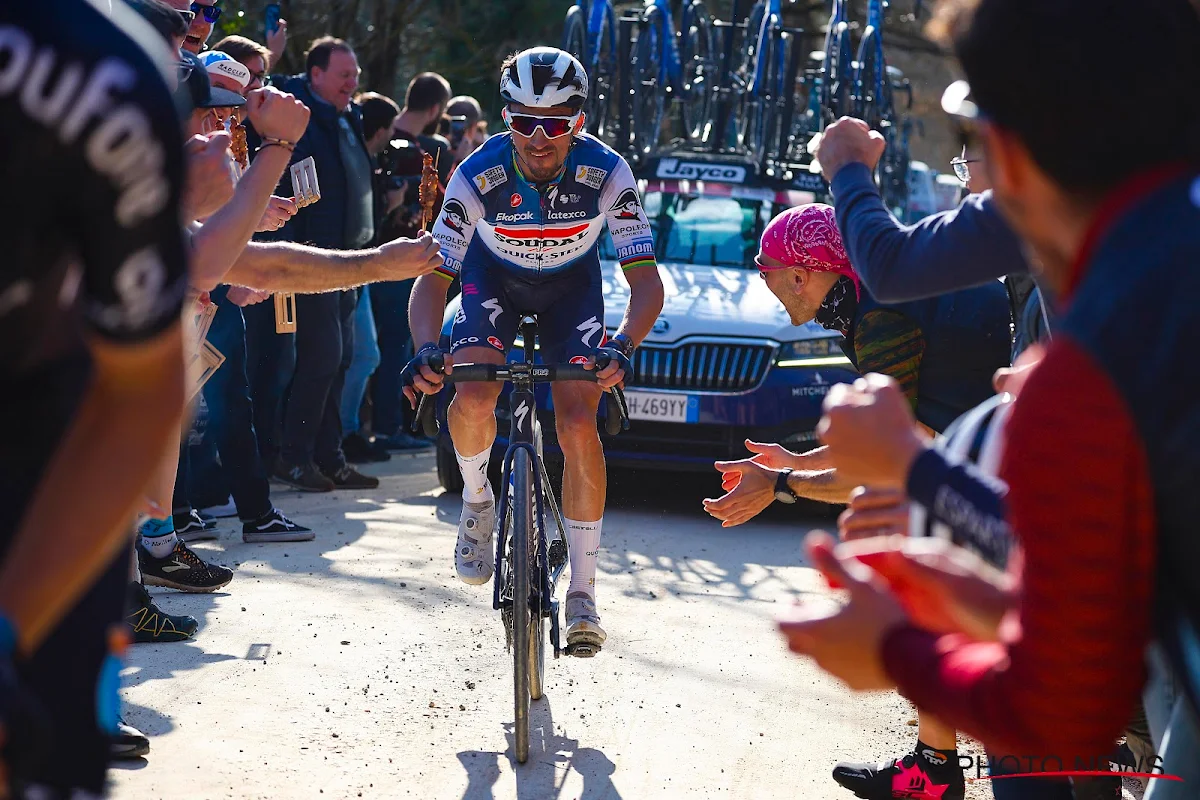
492, 214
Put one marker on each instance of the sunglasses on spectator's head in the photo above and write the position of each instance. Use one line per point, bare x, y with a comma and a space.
188, 17
211, 13
552, 127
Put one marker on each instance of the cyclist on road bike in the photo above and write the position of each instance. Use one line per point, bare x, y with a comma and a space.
520, 226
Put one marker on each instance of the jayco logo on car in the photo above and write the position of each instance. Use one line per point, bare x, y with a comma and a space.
691, 171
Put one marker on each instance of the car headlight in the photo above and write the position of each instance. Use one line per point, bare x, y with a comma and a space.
812, 353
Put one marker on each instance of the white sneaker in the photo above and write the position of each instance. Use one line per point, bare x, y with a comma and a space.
583, 624
473, 552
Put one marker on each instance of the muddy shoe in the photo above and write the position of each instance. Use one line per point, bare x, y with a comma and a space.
585, 637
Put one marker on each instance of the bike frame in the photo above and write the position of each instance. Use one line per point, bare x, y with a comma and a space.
837, 16
523, 436
670, 69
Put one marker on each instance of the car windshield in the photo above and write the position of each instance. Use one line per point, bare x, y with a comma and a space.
713, 228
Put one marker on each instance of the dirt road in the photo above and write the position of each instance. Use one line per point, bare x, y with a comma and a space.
357, 666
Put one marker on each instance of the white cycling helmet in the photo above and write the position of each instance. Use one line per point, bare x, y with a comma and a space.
544, 77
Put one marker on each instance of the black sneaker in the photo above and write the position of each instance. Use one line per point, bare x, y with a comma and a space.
152, 625
306, 478
349, 478
909, 777
183, 570
359, 451
275, 527
404, 441
191, 527
128, 742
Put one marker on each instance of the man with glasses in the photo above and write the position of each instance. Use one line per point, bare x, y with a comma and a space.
521, 225
204, 14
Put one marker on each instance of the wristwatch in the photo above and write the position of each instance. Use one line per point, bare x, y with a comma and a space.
783, 492
624, 344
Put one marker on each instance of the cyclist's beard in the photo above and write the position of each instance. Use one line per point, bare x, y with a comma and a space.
536, 169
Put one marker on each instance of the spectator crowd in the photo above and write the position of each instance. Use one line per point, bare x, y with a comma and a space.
1017, 460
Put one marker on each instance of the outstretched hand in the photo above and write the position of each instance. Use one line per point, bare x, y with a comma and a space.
749, 489
402, 259
847, 642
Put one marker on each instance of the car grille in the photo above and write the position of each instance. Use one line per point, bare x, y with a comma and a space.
707, 366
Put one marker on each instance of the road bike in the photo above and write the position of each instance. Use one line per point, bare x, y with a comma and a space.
672, 65
523, 587
828, 83
590, 34
875, 86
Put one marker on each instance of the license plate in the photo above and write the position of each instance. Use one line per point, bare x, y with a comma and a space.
662, 407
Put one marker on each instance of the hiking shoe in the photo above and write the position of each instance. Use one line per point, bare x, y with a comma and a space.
583, 624
347, 477
152, 625
275, 527
183, 570
128, 742
473, 558
192, 527
306, 478
360, 451
909, 776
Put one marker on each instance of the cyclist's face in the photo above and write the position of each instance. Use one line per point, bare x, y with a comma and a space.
542, 157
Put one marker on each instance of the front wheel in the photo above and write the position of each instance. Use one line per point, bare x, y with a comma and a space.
537, 656
699, 71
520, 539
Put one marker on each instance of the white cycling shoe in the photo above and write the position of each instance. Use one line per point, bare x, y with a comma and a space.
473, 555
584, 634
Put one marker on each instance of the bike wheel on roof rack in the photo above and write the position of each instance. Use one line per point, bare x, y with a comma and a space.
838, 79
649, 98
697, 54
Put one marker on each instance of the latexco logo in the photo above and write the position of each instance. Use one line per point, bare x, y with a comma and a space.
695, 171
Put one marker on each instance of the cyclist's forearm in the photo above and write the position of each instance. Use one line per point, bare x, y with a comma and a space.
425, 309
814, 460
645, 302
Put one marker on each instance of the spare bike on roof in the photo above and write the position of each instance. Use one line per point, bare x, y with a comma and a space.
524, 585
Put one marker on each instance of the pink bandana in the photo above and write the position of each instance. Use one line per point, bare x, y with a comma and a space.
808, 237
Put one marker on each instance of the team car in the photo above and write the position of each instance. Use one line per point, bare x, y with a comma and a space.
723, 362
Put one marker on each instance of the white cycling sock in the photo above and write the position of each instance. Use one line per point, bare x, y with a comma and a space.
583, 539
477, 491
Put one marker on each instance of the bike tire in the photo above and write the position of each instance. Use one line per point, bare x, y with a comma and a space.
649, 100
537, 656
521, 537
839, 78
762, 123
698, 57
868, 74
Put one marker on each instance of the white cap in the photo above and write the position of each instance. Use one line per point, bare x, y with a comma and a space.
218, 63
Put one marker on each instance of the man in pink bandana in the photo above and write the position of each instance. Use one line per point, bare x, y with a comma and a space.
942, 351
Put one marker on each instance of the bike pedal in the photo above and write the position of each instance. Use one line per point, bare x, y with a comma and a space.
583, 650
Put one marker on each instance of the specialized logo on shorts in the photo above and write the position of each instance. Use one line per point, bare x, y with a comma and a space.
590, 329
515, 200
460, 316
590, 176
578, 360
491, 178
493, 305
454, 216
628, 205
496, 343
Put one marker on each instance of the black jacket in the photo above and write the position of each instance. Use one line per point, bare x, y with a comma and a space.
324, 223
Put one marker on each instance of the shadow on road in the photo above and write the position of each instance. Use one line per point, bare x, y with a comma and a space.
552, 758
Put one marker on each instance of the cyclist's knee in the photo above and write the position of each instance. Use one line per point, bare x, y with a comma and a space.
476, 400
576, 426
